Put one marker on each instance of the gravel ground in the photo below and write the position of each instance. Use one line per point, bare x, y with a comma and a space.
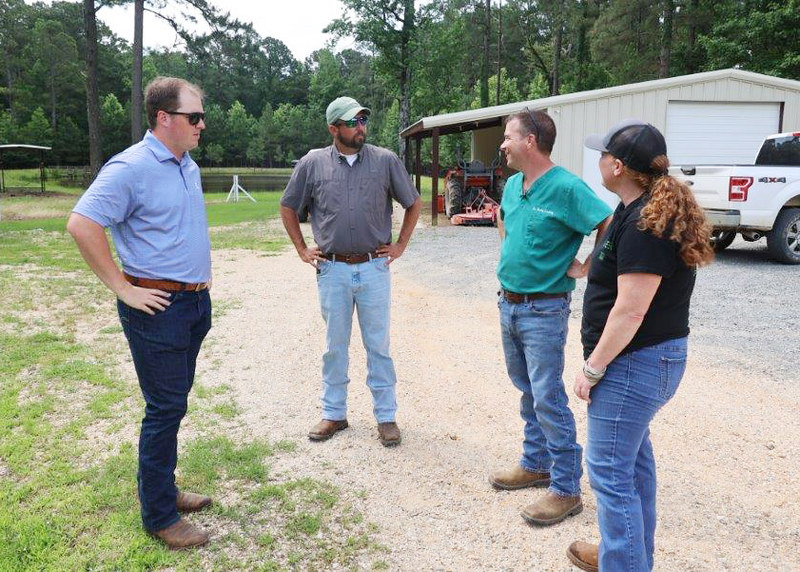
726, 444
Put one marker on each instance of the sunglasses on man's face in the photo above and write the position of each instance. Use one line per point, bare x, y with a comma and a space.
193, 118
362, 119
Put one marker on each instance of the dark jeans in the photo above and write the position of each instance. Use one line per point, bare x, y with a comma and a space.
164, 349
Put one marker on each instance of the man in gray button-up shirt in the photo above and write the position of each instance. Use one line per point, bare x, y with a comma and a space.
348, 189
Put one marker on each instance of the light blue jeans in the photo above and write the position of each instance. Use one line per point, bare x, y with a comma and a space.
534, 334
365, 287
619, 456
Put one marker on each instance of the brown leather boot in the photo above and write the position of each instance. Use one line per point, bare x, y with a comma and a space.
182, 534
326, 429
389, 434
191, 502
551, 509
583, 555
517, 478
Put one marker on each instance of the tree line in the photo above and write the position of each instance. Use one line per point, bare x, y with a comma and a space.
72, 86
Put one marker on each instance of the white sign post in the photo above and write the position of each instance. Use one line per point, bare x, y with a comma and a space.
235, 189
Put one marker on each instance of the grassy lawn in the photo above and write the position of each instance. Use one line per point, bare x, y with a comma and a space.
69, 415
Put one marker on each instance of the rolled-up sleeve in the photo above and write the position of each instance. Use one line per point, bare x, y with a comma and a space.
403, 191
296, 194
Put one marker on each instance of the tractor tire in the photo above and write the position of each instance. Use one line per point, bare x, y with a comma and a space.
722, 239
783, 241
453, 199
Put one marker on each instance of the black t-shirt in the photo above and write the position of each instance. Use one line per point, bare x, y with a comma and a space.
626, 249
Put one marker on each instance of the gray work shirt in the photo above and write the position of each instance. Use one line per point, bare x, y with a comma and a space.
350, 207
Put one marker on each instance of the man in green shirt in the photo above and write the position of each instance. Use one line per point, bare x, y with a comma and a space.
544, 215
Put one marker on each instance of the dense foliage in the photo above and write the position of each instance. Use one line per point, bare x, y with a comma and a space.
413, 59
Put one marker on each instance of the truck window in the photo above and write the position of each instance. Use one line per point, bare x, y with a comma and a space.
780, 151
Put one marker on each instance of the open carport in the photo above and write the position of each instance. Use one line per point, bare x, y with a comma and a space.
712, 117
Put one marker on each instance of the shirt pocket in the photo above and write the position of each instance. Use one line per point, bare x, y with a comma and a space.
373, 199
536, 229
327, 196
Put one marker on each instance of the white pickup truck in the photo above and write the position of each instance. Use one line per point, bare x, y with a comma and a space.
753, 200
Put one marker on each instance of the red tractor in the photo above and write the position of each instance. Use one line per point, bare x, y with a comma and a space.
472, 192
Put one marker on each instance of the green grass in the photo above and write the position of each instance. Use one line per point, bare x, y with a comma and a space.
69, 424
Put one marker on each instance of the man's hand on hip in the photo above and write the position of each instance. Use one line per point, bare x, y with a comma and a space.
391, 251
147, 300
311, 255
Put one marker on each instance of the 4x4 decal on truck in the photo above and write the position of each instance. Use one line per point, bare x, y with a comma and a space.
772, 180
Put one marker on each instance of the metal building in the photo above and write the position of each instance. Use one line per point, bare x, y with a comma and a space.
712, 117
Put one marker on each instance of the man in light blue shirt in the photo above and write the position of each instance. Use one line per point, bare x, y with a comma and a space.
150, 197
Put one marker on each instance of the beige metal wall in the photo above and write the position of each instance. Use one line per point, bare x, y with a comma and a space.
486, 143
577, 119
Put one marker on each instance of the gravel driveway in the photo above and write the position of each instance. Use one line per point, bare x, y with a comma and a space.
726, 445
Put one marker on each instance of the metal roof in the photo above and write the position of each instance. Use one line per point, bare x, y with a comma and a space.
491, 116
22, 146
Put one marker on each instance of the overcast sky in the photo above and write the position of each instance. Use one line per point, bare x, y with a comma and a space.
297, 23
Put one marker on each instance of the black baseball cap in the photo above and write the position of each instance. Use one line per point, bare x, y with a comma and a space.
634, 142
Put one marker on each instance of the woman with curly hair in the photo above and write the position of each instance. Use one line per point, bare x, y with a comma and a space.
635, 325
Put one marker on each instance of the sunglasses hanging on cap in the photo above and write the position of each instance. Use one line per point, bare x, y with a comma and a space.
194, 117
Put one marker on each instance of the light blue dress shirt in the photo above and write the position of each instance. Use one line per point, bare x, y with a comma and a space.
154, 206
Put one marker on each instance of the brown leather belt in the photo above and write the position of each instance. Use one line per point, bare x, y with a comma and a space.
516, 298
352, 258
168, 285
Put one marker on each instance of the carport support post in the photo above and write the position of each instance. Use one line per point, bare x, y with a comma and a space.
435, 177
418, 165
41, 169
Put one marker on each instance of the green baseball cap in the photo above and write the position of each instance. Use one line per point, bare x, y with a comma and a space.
344, 108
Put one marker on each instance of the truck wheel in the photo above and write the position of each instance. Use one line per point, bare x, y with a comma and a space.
453, 200
722, 239
783, 241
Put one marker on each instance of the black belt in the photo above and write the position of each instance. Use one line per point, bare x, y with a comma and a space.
517, 298
352, 258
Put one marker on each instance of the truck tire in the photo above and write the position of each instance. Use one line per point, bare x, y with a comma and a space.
783, 241
722, 239
453, 200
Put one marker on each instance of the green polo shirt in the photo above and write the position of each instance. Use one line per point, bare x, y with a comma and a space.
544, 229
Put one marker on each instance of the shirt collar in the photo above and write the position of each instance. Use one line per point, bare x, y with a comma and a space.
159, 149
342, 158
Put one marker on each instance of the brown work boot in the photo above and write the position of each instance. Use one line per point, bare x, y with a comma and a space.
191, 502
518, 478
551, 509
182, 534
389, 434
583, 555
326, 429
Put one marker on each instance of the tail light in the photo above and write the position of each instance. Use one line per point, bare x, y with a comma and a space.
737, 190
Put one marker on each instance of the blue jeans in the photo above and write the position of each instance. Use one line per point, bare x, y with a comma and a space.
619, 456
164, 348
365, 287
534, 334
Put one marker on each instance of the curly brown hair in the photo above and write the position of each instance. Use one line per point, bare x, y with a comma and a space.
672, 206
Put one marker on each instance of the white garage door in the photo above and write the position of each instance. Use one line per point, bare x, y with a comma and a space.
718, 133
